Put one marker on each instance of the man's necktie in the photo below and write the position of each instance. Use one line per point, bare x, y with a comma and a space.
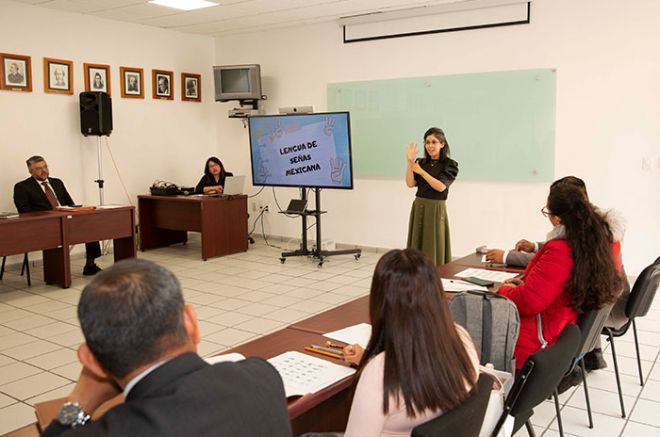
51, 195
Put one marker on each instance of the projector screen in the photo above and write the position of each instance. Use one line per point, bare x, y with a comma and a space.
305, 150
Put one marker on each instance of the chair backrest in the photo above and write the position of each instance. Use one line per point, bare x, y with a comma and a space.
540, 375
464, 420
493, 323
591, 324
643, 292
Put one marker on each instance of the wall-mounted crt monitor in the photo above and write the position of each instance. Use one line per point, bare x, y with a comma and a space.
237, 82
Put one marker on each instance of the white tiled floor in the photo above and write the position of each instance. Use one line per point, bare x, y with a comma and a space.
241, 297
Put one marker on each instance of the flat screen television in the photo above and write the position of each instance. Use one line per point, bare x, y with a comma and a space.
301, 150
237, 82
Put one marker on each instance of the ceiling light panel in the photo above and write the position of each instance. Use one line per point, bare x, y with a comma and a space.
184, 5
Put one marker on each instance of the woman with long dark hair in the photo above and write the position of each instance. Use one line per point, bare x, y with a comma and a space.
577, 269
428, 229
418, 363
213, 180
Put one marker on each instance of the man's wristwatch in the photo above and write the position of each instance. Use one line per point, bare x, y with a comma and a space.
71, 414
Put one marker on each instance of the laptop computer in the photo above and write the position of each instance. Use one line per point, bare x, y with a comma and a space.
233, 185
296, 206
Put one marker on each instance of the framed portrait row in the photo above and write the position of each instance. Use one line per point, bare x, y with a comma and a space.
16, 75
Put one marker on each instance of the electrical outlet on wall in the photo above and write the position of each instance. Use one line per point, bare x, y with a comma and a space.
264, 208
646, 164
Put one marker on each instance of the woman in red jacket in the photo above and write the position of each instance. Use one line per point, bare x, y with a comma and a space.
575, 270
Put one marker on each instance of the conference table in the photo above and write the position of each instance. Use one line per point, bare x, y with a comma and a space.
53, 232
327, 409
221, 221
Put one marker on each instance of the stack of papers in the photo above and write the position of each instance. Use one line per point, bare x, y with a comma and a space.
489, 275
456, 286
303, 374
356, 334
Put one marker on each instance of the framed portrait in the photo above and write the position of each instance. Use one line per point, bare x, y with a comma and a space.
58, 76
97, 77
163, 84
191, 87
132, 82
15, 72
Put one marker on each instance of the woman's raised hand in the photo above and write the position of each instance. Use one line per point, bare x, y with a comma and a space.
411, 154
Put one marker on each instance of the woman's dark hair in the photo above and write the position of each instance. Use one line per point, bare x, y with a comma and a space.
571, 180
208, 174
426, 363
595, 279
440, 135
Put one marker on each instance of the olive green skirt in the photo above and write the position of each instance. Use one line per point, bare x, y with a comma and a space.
428, 229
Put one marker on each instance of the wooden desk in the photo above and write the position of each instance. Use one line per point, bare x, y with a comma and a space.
54, 231
325, 410
328, 409
222, 221
474, 260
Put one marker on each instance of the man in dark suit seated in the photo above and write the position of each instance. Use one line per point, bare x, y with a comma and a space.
142, 338
42, 193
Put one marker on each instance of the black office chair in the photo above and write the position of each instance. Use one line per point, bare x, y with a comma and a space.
464, 420
25, 268
638, 305
591, 325
538, 379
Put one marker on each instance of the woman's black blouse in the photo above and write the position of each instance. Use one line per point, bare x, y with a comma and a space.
208, 181
444, 170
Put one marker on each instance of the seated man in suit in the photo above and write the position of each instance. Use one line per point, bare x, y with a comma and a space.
42, 193
141, 338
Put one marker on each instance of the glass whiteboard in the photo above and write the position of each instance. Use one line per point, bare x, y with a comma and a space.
500, 126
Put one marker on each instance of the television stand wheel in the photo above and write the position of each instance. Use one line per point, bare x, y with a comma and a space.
320, 264
282, 260
357, 256
251, 240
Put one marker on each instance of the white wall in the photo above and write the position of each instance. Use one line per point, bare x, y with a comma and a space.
152, 139
608, 118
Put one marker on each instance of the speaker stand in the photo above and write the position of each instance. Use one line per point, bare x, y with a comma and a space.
100, 181
99, 154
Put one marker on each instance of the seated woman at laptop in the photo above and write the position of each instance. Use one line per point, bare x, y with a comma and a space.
213, 181
418, 363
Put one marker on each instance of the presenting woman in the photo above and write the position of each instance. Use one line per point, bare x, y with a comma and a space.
213, 180
428, 229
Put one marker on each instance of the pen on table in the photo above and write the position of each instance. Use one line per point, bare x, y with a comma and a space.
322, 352
334, 345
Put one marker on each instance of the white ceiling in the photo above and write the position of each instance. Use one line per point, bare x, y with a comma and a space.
231, 16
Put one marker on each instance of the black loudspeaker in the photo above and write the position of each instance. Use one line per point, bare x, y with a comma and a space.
95, 113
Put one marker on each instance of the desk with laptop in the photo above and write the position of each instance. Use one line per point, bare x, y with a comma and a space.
221, 219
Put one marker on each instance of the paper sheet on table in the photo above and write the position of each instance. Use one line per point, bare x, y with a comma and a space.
456, 285
110, 206
356, 334
489, 275
304, 374
233, 357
